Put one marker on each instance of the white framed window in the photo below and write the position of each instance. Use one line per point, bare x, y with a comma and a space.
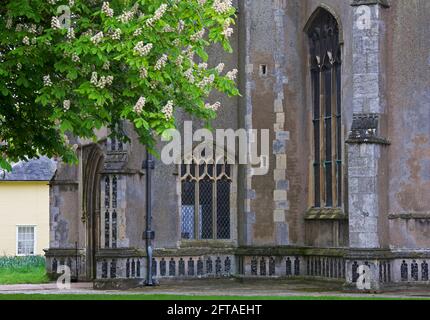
25, 240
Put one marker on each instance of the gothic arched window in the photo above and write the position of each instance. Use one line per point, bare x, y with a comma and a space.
205, 189
325, 54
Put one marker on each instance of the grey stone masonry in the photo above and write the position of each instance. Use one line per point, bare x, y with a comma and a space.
366, 146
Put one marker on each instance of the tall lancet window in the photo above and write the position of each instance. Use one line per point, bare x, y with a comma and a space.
110, 224
325, 54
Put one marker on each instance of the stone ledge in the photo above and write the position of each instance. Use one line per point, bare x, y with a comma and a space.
368, 254
63, 182
194, 252
409, 216
120, 253
373, 140
290, 251
382, 3
385, 254
325, 214
63, 252
223, 244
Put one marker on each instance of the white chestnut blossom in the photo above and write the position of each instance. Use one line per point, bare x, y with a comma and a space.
75, 58
179, 60
203, 66
231, 75
161, 63
32, 29
198, 35
94, 78
9, 23
116, 35
137, 32
107, 10
105, 81
101, 83
157, 15
227, 32
138, 108
213, 107
55, 23
168, 29
220, 67
142, 49
106, 65
206, 81
168, 110
126, 16
190, 76
143, 73
222, 6
97, 38
181, 26
19, 27
66, 105
70, 33
26, 41
47, 81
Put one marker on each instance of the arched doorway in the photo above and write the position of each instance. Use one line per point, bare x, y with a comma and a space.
92, 162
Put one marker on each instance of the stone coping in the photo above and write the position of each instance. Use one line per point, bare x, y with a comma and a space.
347, 253
410, 215
325, 214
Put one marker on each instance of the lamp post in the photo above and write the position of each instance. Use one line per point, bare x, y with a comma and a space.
149, 234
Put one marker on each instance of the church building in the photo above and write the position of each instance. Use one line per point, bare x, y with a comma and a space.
343, 87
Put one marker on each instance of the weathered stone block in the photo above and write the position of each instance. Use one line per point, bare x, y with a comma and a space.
279, 147
280, 118
279, 195
280, 174
282, 205
282, 185
279, 215
283, 135
281, 161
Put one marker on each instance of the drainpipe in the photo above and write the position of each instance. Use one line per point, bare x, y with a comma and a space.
149, 234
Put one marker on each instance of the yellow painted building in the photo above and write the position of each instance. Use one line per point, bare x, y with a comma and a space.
24, 208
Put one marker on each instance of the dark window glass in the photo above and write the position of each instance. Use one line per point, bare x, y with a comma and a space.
327, 110
205, 210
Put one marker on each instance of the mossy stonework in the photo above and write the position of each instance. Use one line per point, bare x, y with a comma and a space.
343, 88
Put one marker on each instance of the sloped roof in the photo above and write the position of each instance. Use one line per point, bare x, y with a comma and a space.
41, 169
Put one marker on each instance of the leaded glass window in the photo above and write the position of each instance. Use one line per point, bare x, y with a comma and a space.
110, 224
205, 204
325, 53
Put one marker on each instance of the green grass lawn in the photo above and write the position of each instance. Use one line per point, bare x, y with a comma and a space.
22, 270
174, 297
